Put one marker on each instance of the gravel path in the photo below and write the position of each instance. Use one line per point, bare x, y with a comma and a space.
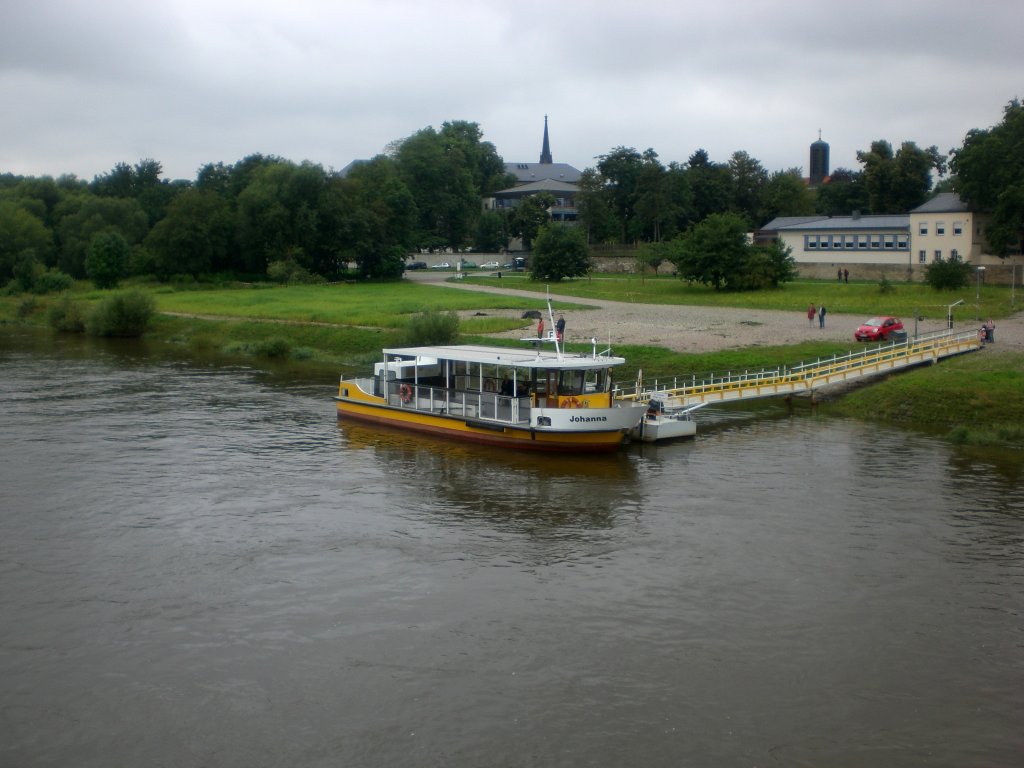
707, 329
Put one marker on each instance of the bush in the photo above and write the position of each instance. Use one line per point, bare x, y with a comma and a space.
52, 281
27, 306
948, 275
275, 347
885, 285
288, 271
67, 315
432, 327
123, 314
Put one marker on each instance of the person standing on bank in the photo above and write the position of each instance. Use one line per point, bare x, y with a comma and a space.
540, 328
560, 327
811, 312
821, 316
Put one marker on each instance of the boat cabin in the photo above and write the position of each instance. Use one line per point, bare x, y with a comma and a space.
493, 382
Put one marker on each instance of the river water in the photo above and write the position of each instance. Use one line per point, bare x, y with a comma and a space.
200, 567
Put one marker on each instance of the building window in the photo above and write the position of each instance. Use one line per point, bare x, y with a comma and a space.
810, 242
940, 228
848, 241
958, 227
862, 241
890, 242
922, 256
954, 255
923, 229
876, 242
938, 255
902, 243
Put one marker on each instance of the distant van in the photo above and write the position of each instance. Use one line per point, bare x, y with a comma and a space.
519, 263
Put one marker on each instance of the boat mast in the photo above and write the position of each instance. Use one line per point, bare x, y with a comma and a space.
551, 321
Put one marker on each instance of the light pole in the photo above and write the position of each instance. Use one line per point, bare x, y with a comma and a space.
949, 313
977, 294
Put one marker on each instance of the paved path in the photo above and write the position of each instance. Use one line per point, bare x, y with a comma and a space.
705, 329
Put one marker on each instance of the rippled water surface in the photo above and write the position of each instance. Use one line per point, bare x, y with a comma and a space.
199, 566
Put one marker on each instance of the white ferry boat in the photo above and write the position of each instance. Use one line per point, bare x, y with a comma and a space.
533, 399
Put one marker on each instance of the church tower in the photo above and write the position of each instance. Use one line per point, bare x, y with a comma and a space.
545, 152
819, 161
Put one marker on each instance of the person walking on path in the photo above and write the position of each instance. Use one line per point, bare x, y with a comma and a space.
810, 315
821, 316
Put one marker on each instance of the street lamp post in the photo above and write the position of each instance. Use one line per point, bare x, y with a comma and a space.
949, 313
977, 294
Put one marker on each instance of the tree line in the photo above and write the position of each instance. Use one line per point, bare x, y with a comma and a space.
266, 215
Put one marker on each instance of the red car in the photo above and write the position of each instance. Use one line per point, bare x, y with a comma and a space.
878, 329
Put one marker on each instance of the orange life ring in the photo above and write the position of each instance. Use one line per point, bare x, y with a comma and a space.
405, 393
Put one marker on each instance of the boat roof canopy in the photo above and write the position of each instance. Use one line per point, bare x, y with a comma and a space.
518, 358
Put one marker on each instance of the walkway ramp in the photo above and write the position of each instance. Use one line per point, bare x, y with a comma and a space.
693, 393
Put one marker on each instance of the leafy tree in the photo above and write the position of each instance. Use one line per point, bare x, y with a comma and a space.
989, 172
441, 171
375, 217
844, 193
490, 233
948, 274
559, 252
779, 265
278, 212
107, 262
22, 235
716, 252
194, 238
898, 182
620, 172
529, 216
85, 216
785, 194
593, 207
711, 184
748, 179
141, 182
653, 198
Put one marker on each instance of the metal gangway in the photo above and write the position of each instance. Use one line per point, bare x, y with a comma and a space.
807, 377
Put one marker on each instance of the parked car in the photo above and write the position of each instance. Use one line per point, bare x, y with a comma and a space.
467, 264
416, 265
878, 329
489, 265
442, 265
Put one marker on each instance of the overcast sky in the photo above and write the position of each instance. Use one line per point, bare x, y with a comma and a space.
86, 85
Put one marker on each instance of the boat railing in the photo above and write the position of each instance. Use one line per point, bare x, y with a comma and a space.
462, 403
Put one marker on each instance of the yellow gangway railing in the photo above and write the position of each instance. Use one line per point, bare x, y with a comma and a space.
805, 376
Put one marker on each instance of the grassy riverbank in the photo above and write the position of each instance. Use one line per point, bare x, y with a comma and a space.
978, 398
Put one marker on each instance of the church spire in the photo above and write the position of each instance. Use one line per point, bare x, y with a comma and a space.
545, 152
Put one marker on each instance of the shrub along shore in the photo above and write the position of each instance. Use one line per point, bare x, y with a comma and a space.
324, 330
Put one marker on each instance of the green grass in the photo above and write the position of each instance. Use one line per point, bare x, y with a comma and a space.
977, 398
379, 305
856, 298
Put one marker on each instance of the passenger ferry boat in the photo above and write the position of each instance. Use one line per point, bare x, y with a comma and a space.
533, 399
